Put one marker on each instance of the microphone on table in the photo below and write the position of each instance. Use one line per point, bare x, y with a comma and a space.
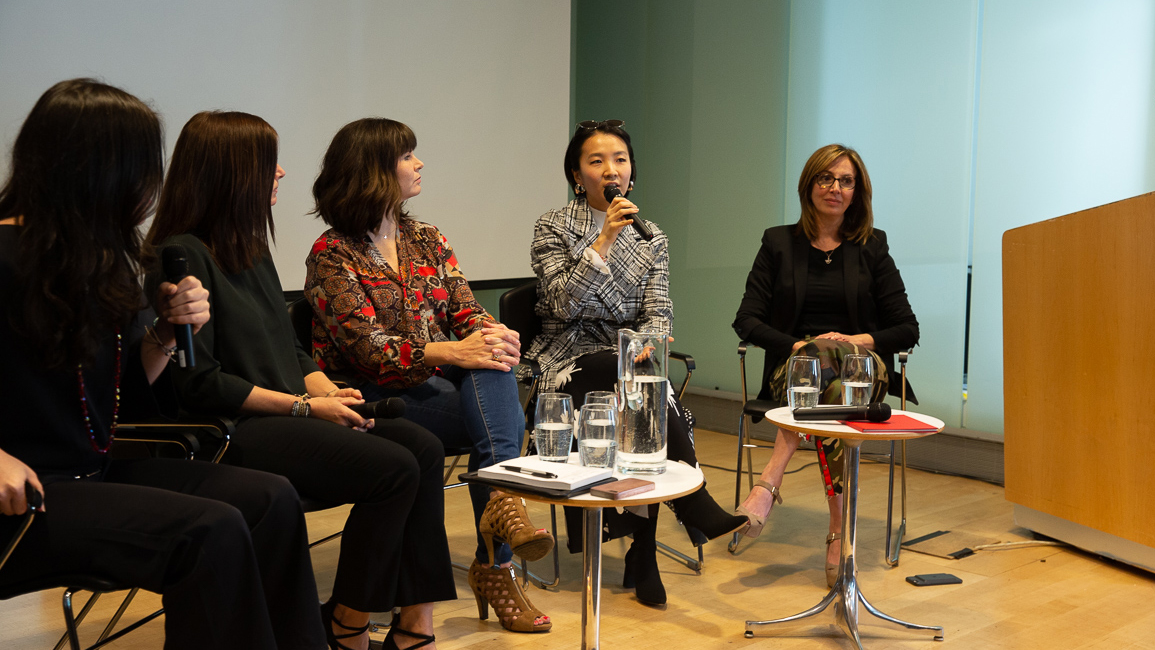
386, 409
611, 192
175, 262
877, 412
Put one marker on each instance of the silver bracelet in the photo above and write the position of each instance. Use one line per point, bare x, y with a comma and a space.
301, 409
151, 336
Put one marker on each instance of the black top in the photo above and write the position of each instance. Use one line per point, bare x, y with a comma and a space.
43, 424
824, 309
249, 341
778, 283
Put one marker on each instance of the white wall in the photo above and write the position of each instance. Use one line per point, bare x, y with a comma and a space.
485, 86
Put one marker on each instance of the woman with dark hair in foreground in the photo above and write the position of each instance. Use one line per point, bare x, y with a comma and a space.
217, 203
225, 547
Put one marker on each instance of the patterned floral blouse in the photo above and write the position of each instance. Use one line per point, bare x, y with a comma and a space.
371, 321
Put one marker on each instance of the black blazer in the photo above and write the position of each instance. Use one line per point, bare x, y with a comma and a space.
776, 288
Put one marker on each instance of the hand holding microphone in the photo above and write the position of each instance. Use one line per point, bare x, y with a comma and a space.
612, 192
175, 262
389, 408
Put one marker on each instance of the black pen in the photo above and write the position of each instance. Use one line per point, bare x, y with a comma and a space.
531, 472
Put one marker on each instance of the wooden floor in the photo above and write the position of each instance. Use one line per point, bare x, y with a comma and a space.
1040, 597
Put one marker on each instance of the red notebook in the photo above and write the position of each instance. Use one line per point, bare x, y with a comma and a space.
896, 423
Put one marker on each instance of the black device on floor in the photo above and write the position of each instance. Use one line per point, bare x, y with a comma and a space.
927, 579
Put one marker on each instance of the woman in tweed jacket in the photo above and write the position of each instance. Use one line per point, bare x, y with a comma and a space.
597, 276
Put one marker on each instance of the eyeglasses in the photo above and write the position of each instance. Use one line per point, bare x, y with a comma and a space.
594, 124
826, 179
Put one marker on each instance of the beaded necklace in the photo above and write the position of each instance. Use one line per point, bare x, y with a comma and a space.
115, 404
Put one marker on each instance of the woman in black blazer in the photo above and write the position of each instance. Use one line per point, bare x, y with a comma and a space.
824, 287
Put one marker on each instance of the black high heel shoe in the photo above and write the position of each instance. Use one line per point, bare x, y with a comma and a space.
641, 572
328, 619
701, 512
390, 644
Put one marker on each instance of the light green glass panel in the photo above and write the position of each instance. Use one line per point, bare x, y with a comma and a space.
1065, 124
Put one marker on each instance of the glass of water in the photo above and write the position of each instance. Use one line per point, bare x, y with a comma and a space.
553, 426
607, 397
597, 439
857, 379
803, 382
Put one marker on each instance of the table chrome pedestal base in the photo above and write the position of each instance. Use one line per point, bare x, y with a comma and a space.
591, 578
846, 596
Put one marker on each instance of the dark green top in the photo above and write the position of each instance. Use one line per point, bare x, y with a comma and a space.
248, 341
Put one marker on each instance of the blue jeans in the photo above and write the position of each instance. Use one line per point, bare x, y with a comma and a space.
478, 409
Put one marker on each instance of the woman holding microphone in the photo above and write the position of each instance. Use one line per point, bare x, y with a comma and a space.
598, 274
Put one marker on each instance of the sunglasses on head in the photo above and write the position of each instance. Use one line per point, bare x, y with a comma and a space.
594, 124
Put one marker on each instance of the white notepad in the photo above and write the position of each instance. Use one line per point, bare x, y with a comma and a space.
561, 476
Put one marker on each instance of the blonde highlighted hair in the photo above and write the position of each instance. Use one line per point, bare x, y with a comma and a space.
858, 222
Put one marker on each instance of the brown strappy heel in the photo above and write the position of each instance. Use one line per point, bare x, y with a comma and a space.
506, 519
497, 587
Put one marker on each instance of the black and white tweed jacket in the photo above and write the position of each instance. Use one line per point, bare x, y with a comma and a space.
583, 306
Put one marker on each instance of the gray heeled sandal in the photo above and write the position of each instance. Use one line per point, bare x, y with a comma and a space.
754, 528
832, 569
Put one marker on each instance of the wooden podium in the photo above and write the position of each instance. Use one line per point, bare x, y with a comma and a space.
1079, 378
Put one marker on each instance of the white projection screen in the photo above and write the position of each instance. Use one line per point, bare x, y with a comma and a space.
484, 85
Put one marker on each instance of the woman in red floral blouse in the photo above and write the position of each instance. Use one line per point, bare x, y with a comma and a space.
388, 297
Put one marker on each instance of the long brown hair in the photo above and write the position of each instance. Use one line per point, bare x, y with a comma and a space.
86, 168
219, 188
358, 183
858, 222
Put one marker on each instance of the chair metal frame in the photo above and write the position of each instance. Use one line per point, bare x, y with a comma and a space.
754, 407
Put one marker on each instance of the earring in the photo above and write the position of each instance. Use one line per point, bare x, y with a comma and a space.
578, 189
631, 187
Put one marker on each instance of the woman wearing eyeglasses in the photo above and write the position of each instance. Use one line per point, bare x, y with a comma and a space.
598, 275
823, 287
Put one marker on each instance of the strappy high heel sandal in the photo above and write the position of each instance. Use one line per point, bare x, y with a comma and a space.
506, 519
390, 644
332, 637
831, 569
497, 587
758, 521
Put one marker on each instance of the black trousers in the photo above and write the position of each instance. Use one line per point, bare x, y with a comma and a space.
394, 551
225, 547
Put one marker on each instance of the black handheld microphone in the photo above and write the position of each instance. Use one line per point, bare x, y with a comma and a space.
877, 412
32, 496
175, 261
385, 409
612, 192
